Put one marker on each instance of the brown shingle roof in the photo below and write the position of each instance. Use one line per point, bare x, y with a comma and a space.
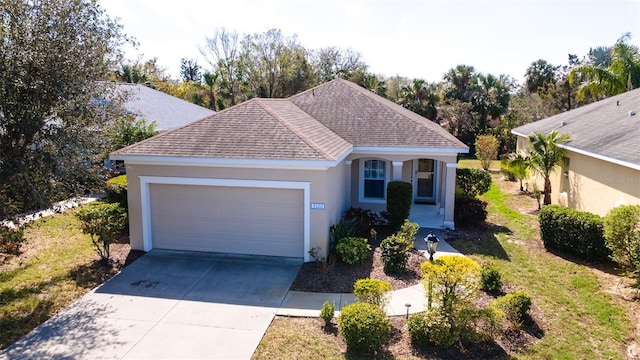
323, 123
366, 119
601, 128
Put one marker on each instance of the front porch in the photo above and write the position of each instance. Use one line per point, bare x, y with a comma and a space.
427, 216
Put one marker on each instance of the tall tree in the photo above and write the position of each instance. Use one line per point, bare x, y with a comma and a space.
539, 75
622, 73
333, 63
52, 53
421, 98
545, 155
190, 70
222, 51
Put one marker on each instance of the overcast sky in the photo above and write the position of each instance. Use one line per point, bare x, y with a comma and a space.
413, 38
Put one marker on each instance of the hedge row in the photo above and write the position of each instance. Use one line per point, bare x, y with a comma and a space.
573, 231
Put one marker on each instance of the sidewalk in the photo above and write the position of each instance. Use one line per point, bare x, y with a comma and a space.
308, 304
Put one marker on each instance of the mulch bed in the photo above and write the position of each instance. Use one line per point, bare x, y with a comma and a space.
342, 276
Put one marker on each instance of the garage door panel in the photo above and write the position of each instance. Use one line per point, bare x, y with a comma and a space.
261, 221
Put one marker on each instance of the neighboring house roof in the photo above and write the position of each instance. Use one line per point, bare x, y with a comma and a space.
324, 123
169, 112
604, 129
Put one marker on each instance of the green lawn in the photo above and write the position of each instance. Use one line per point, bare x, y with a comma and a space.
580, 320
475, 164
53, 272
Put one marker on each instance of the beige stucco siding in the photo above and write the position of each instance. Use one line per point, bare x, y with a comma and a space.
595, 185
328, 187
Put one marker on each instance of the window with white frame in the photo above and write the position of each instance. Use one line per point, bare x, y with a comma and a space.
565, 184
375, 178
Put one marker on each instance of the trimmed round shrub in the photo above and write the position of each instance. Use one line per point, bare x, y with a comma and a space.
372, 291
469, 210
353, 250
327, 312
490, 279
364, 327
394, 254
399, 196
473, 182
515, 306
622, 234
576, 232
431, 327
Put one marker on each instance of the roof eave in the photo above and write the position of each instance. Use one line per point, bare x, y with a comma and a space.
392, 150
228, 162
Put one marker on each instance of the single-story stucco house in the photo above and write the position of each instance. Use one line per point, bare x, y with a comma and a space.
168, 112
601, 168
270, 176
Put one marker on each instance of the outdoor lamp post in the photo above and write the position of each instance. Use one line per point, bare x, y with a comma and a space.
432, 244
407, 305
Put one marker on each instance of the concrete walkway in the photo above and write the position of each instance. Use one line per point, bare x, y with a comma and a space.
308, 304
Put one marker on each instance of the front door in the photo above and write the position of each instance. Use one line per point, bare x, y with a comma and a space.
424, 180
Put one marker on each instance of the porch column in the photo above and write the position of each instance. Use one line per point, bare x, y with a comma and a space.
397, 170
349, 181
450, 195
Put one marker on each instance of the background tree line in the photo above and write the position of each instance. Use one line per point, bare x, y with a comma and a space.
466, 103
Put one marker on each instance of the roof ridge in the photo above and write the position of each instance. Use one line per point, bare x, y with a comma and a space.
388, 104
301, 135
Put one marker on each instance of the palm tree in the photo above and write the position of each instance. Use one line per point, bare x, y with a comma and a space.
420, 97
545, 155
518, 164
622, 73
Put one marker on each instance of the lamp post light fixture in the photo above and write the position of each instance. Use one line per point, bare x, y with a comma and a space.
407, 305
432, 244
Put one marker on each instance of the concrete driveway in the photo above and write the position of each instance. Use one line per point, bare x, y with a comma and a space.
170, 305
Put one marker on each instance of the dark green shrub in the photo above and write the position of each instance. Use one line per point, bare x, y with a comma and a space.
515, 306
363, 220
104, 222
372, 291
473, 182
343, 229
622, 234
490, 279
399, 196
431, 327
117, 190
365, 327
10, 240
573, 231
327, 312
395, 248
469, 210
353, 250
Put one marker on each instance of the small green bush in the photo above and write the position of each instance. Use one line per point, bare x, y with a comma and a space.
104, 222
473, 182
11, 240
515, 306
490, 279
372, 291
399, 196
117, 190
364, 327
353, 250
622, 234
431, 327
395, 248
469, 210
573, 231
327, 312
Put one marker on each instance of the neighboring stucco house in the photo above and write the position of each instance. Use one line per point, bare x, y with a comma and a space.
168, 112
601, 169
270, 176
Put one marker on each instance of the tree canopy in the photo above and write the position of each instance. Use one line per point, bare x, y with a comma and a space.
52, 54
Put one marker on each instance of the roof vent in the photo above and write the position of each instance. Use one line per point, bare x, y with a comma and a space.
632, 113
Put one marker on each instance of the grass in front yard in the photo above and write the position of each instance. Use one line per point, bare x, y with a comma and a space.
475, 164
581, 320
54, 270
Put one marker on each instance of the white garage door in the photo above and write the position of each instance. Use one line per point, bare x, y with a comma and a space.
257, 221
